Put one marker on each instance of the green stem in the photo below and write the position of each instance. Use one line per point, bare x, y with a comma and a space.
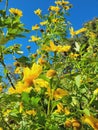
49, 102
7, 73
6, 5
92, 99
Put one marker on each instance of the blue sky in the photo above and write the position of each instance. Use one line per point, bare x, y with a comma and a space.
82, 11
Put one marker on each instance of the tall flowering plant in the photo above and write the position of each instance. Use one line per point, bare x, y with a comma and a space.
56, 87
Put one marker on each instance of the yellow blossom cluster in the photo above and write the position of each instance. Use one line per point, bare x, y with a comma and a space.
55, 48
15, 11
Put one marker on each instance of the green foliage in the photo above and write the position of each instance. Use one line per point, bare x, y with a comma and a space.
56, 88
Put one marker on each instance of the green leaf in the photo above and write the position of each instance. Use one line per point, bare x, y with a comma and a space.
78, 80
35, 100
86, 111
25, 97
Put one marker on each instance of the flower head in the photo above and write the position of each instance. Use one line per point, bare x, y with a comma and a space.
96, 91
34, 39
51, 73
36, 27
19, 88
40, 83
1, 88
55, 48
31, 112
43, 23
73, 33
15, 11
60, 93
31, 74
38, 12
90, 120
41, 61
54, 8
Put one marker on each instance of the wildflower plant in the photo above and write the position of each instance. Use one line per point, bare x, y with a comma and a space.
56, 88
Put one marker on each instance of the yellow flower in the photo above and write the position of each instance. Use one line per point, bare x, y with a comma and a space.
54, 8
7, 112
66, 111
58, 2
21, 107
55, 48
51, 73
59, 108
80, 31
63, 48
31, 74
55, 20
90, 120
1, 88
92, 35
73, 55
73, 123
34, 39
31, 112
68, 123
96, 91
36, 27
38, 12
40, 83
66, 7
61, 2
43, 23
59, 93
41, 61
65, 2
18, 70
72, 32
20, 87
1, 128
15, 11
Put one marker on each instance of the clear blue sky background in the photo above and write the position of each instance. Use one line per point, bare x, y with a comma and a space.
82, 11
